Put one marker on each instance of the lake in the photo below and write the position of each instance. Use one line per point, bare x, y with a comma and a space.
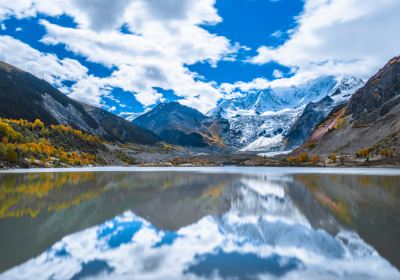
200, 223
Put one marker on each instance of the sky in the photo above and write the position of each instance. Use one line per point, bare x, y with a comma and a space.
126, 56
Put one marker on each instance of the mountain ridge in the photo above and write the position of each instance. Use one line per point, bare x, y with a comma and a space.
370, 122
24, 96
182, 125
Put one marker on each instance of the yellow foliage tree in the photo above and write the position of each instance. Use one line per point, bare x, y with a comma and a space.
38, 124
8, 131
386, 152
363, 152
303, 157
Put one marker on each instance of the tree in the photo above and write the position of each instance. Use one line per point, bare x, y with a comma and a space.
38, 124
303, 157
363, 153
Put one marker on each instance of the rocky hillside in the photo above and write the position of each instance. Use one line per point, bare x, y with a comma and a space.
181, 125
369, 124
315, 112
23, 96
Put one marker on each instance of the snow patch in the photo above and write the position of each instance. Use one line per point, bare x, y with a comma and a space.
264, 143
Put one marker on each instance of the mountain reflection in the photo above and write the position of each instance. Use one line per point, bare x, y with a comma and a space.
188, 225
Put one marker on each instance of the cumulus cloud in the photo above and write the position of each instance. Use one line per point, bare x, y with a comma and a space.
103, 14
86, 88
338, 37
44, 66
165, 37
333, 37
237, 89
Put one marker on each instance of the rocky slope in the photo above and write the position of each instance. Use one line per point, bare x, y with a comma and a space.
182, 125
370, 121
23, 96
315, 112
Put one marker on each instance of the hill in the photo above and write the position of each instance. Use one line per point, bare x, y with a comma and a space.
24, 96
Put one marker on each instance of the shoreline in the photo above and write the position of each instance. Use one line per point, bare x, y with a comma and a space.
387, 171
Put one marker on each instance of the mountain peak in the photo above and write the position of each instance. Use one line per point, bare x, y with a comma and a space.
379, 89
177, 124
174, 108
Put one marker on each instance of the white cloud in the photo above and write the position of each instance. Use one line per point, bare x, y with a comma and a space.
44, 66
237, 89
88, 89
166, 37
102, 14
338, 37
277, 74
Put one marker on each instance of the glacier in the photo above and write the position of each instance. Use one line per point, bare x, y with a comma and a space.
259, 120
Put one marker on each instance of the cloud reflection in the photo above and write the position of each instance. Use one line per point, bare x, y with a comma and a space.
263, 235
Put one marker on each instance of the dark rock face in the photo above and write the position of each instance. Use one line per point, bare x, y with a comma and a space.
181, 125
25, 96
178, 137
22, 94
378, 96
313, 114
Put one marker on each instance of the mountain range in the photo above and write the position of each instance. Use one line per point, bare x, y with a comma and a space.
322, 116
268, 120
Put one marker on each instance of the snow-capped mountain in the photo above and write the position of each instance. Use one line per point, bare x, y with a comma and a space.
252, 103
260, 120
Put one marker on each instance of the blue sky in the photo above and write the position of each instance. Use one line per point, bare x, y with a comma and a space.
128, 55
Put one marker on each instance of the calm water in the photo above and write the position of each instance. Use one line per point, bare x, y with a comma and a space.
249, 223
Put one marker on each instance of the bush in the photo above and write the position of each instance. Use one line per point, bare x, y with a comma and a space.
333, 157
363, 153
303, 157
386, 153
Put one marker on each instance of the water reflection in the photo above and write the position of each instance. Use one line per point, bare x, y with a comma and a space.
187, 225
